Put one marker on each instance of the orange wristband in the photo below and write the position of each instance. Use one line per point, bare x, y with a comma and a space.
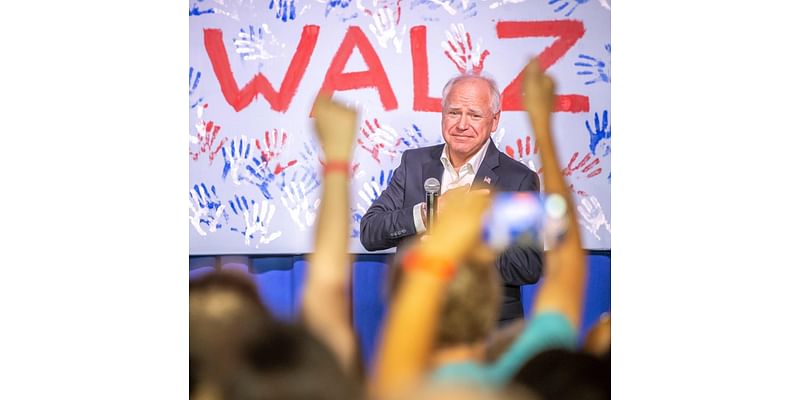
442, 268
336, 166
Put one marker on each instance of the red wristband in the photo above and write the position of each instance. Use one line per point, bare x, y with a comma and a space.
441, 268
336, 166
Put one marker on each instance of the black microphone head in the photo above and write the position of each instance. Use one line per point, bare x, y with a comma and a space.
432, 185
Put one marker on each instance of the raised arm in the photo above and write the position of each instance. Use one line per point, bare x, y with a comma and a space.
326, 301
565, 265
413, 316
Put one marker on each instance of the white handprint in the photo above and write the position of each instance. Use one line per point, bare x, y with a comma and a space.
385, 29
253, 44
504, 2
200, 206
295, 199
258, 223
593, 216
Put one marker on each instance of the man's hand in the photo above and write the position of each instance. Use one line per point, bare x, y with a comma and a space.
458, 227
457, 192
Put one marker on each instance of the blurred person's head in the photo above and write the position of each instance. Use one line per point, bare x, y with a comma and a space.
471, 303
225, 315
566, 375
238, 351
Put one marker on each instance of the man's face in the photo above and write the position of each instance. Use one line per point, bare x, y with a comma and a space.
467, 118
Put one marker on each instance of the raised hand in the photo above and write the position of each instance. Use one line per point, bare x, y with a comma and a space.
257, 218
538, 96
295, 197
592, 216
599, 133
458, 49
205, 208
335, 127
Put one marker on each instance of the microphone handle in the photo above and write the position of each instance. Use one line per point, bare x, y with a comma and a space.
432, 202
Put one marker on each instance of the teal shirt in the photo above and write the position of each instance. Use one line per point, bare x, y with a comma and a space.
545, 331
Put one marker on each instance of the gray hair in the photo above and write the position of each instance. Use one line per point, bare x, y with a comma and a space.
495, 93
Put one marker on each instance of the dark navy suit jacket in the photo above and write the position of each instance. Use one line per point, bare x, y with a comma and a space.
389, 222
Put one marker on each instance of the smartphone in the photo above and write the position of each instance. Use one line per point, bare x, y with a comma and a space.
529, 219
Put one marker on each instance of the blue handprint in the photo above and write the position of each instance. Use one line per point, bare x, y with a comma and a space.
235, 157
370, 192
562, 4
257, 218
194, 81
412, 139
600, 132
205, 209
195, 10
331, 4
595, 68
285, 9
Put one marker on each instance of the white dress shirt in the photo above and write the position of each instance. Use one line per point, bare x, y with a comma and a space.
452, 179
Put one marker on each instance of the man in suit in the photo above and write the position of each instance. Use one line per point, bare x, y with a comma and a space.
470, 113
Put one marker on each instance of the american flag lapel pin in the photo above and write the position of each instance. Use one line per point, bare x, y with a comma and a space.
487, 180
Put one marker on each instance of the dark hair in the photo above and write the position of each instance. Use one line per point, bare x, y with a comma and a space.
567, 375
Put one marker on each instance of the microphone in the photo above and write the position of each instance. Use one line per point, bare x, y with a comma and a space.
432, 187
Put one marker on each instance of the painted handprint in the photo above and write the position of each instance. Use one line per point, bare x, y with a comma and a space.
284, 9
295, 198
368, 193
467, 8
385, 28
206, 133
459, 49
236, 157
523, 153
194, 81
584, 168
257, 218
195, 10
569, 5
504, 2
257, 44
592, 216
595, 69
411, 139
377, 139
600, 133
272, 149
205, 209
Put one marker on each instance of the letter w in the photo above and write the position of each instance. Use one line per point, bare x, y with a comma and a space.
241, 98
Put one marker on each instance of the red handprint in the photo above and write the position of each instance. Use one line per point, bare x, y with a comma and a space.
458, 49
272, 149
582, 167
524, 155
206, 134
379, 139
